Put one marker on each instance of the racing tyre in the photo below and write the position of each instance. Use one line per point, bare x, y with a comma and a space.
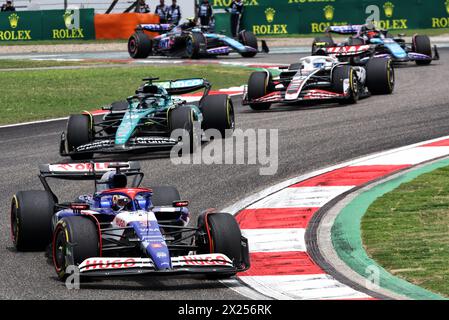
339, 75
75, 239
247, 38
183, 118
380, 76
421, 44
164, 196
31, 218
140, 45
218, 113
79, 132
258, 85
193, 45
322, 42
224, 236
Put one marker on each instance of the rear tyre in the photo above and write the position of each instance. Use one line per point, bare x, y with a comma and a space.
258, 85
75, 239
421, 44
79, 132
164, 196
140, 45
31, 220
224, 236
380, 77
193, 45
218, 113
322, 42
340, 75
247, 38
183, 118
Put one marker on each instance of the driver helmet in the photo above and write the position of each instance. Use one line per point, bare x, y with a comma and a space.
119, 202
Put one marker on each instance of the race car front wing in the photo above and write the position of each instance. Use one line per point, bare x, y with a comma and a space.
191, 264
109, 146
306, 95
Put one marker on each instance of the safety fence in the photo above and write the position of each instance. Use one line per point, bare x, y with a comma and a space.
263, 17
278, 17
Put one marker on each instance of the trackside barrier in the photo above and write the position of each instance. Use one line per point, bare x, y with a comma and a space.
121, 25
47, 25
277, 17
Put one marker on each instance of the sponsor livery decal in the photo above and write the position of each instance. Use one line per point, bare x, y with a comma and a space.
348, 50
201, 260
79, 167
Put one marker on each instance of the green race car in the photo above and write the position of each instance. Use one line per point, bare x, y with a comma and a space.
153, 119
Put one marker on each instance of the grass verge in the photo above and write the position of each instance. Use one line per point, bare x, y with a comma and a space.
407, 231
42, 94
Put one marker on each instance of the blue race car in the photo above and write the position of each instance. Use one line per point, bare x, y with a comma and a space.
122, 229
190, 41
153, 119
384, 45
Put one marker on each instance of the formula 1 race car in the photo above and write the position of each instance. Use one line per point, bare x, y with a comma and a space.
153, 119
123, 229
420, 50
321, 78
190, 41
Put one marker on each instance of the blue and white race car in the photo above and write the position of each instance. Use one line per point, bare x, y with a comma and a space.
190, 41
122, 229
384, 45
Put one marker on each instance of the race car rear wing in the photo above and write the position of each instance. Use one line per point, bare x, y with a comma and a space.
183, 86
88, 171
164, 27
349, 29
345, 51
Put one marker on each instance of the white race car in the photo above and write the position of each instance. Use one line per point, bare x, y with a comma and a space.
322, 78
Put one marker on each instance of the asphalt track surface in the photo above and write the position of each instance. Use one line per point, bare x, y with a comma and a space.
310, 138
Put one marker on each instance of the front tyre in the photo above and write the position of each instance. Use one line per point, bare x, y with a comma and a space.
258, 85
182, 119
75, 239
79, 132
247, 38
380, 77
421, 44
31, 220
344, 80
218, 113
140, 46
223, 236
